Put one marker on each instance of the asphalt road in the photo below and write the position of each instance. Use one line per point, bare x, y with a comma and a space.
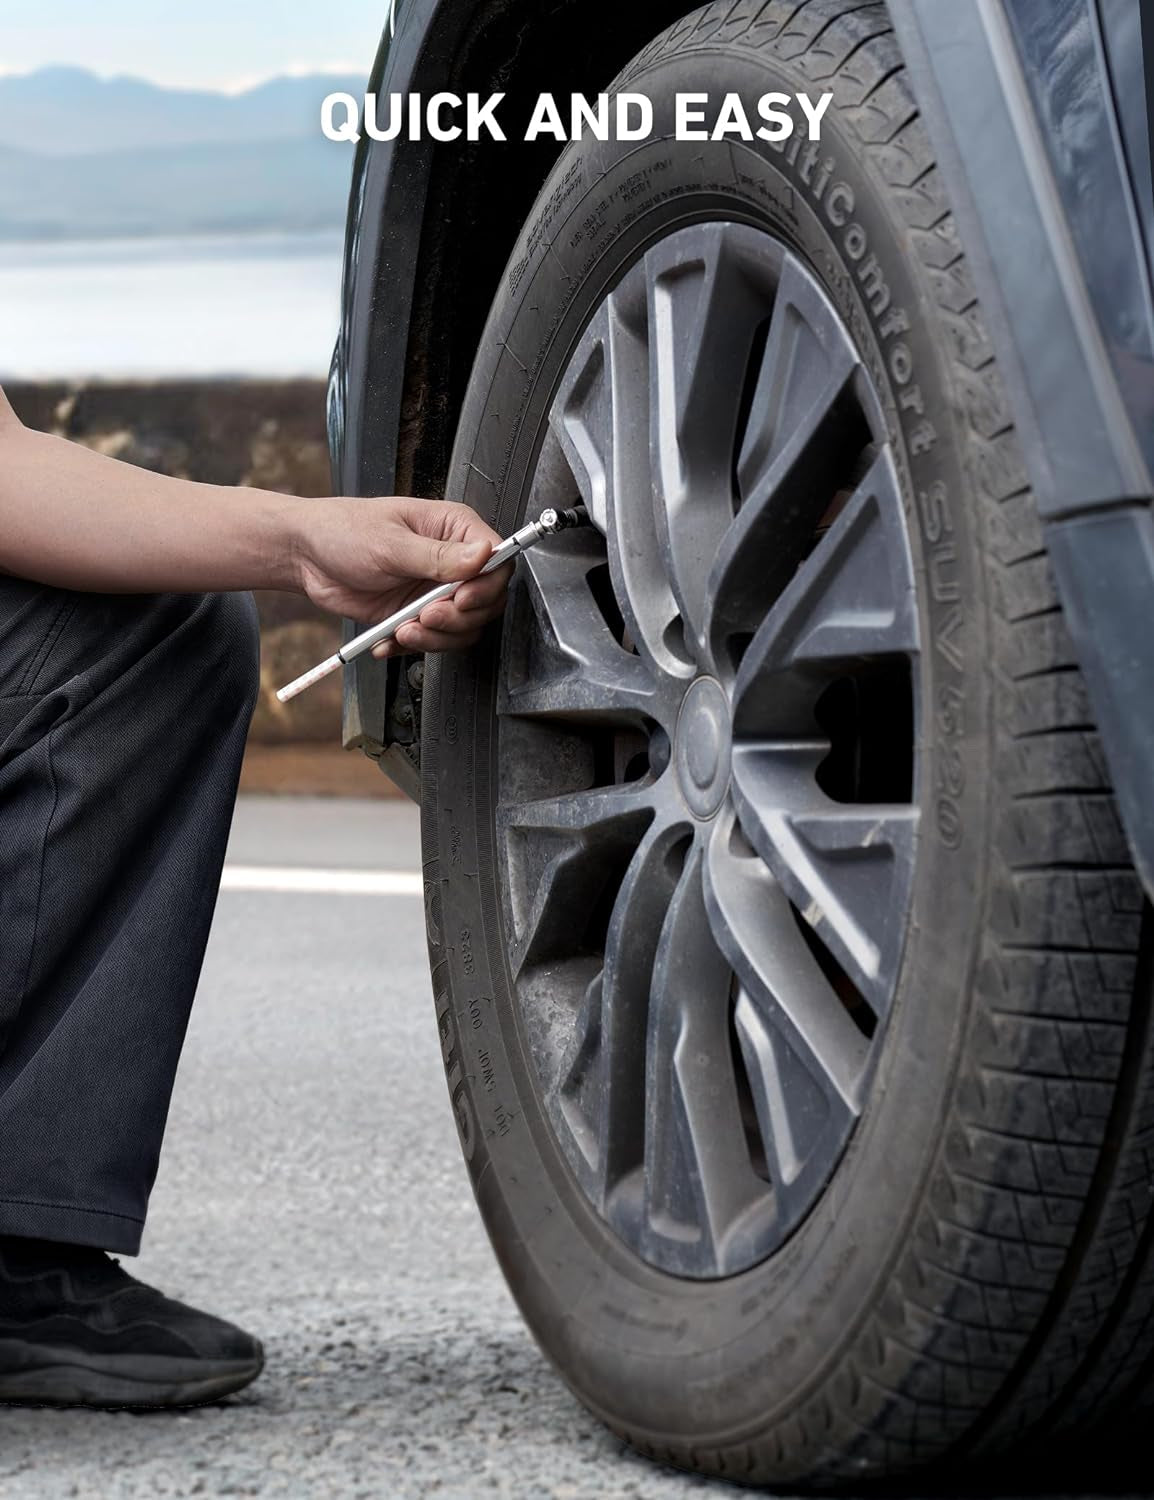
312, 1189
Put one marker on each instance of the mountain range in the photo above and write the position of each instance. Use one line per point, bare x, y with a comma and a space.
83, 156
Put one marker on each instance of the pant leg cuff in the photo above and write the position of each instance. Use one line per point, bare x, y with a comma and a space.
71, 1226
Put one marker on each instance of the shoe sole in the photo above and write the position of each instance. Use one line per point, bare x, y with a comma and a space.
38, 1375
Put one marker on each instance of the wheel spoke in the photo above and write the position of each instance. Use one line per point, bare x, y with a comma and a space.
699, 1180
791, 452
582, 815
803, 1056
852, 599
560, 850
803, 1123
846, 867
807, 362
703, 312
578, 671
602, 403
602, 1093
752, 923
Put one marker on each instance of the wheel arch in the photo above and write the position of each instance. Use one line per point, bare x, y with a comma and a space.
478, 198
426, 311
430, 229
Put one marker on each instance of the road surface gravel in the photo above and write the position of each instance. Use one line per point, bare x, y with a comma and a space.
312, 1189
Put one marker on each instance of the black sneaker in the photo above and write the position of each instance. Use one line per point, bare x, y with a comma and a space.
77, 1330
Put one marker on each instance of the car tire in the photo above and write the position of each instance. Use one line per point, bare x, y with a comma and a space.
972, 1272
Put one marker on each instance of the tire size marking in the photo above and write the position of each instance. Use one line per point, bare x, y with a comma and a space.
641, 182
572, 182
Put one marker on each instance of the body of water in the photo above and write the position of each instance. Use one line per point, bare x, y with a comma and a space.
258, 305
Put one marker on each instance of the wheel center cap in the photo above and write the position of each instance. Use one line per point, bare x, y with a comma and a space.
702, 745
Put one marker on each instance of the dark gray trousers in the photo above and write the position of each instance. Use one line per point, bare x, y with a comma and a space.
122, 722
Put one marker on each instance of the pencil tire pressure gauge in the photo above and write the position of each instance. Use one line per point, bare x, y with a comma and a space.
549, 523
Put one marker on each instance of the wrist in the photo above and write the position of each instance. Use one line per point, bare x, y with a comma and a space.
283, 528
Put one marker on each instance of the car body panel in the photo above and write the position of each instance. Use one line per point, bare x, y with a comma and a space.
382, 238
1021, 104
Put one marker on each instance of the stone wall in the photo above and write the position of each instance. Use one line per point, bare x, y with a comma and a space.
269, 434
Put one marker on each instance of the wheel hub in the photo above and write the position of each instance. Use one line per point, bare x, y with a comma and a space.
707, 789
702, 747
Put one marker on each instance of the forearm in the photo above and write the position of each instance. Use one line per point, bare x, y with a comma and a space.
75, 519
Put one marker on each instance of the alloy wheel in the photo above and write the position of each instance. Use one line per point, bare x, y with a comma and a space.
707, 811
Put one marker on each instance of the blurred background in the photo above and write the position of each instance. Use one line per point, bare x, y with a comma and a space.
171, 223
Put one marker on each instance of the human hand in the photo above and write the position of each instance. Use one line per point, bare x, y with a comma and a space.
368, 558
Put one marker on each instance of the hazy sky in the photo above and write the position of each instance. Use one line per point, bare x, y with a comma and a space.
212, 43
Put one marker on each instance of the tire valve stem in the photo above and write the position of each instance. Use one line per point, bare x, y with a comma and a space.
549, 523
